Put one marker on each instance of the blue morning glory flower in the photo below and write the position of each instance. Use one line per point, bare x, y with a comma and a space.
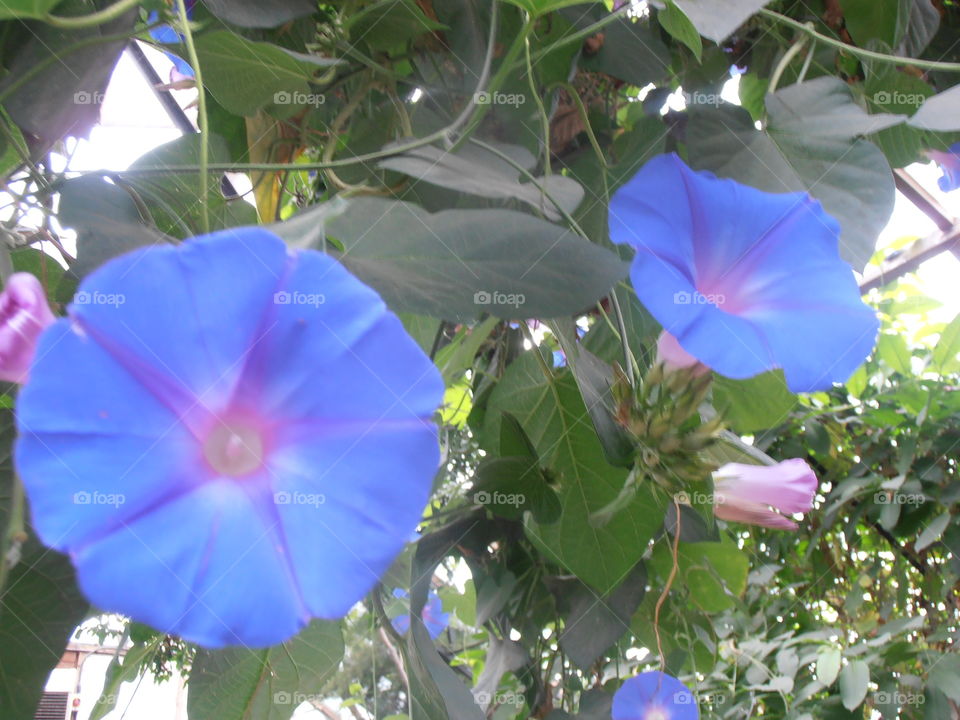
166, 35
747, 281
229, 438
433, 616
949, 163
654, 696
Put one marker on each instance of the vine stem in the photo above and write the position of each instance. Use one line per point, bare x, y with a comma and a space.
100, 17
201, 115
859, 52
787, 58
675, 549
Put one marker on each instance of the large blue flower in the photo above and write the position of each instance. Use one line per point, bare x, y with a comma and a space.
746, 280
227, 437
654, 696
949, 163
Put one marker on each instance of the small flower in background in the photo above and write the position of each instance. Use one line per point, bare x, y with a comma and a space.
746, 281
274, 452
24, 313
433, 616
745, 493
949, 163
654, 696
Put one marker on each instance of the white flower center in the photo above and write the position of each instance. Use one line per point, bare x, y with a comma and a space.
234, 449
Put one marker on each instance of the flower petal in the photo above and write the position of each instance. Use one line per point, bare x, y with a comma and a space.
788, 486
640, 696
752, 513
24, 313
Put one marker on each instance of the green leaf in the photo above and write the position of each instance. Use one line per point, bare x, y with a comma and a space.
940, 112
867, 20
259, 13
38, 263
676, 22
713, 571
26, 8
631, 50
478, 172
894, 352
245, 76
810, 144
946, 354
757, 403
242, 683
174, 198
106, 220
542, 7
509, 486
854, 679
123, 668
385, 25
932, 532
591, 622
718, 19
944, 675
455, 264
595, 379
828, 665
553, 415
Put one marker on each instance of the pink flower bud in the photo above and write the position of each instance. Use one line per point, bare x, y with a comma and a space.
757, 494
24, 313
674, 357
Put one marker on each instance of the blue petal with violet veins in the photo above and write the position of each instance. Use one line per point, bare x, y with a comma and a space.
654, 696
949, 163
747, 281
228, 438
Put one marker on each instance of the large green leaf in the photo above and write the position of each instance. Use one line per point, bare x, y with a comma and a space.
946, 354
811, 143
457, 263
631, 51
105, 219
757, 403
714, 572
245, 76
259, 13
253, 684
26, 8
554, 417
174, 198
854, 681
717, 19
